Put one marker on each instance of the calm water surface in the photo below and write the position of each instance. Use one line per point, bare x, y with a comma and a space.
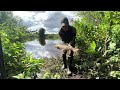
47, 51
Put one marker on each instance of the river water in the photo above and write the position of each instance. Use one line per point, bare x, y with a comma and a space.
47, 51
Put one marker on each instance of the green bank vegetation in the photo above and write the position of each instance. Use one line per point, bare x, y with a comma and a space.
98, 38
13, 34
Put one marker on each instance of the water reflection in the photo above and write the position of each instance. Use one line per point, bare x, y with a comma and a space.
42, 41
42, 36
48, 50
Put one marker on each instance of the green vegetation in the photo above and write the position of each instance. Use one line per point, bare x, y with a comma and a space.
99, 33
52, 69
52, 36
98, 38
42, 36
13, 34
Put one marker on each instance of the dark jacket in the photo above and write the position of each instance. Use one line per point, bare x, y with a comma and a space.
68, 36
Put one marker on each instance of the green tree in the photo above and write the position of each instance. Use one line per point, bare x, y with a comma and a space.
13, 35
42, 36
42, 32
98, 37
2, 66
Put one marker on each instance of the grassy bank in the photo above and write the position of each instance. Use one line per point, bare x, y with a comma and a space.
52, 70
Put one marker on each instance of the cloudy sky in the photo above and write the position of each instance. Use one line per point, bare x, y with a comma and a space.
50, 20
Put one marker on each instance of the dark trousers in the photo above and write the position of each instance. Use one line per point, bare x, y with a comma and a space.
70, 59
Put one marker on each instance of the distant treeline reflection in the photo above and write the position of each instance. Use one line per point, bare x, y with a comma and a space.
43, 36
52, 36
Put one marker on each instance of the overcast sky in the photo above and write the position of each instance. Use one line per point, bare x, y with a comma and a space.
50, 20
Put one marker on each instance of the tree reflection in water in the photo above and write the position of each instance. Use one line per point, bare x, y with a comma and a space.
42, 36
42, 41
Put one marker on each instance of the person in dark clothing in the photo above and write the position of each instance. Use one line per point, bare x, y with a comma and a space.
68, 35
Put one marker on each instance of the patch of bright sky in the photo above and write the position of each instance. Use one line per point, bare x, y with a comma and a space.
38, 18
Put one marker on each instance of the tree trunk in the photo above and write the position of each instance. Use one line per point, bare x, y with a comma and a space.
2, 67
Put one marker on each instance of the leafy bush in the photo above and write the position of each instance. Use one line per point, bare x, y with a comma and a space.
13, 35
98, 35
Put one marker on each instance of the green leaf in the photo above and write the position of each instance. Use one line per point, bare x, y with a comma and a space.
112, 46
28, 78
19, 76
92, 47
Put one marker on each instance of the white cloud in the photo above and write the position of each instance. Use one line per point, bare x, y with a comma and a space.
50, 20
24, 14
68, 13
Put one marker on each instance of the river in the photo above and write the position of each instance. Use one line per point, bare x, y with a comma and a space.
47, 51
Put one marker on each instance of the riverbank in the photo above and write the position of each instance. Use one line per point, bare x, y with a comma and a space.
52, 70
